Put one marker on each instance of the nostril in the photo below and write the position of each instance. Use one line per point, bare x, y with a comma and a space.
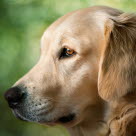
14, 96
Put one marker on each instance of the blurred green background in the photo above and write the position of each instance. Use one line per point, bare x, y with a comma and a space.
22, 23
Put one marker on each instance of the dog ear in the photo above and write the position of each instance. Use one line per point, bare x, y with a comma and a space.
117, 69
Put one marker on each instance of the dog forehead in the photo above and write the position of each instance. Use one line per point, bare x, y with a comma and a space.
81, 23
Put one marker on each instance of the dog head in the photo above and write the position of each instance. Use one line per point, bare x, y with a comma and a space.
62, 87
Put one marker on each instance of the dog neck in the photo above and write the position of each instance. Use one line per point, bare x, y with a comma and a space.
91, 125
99, 129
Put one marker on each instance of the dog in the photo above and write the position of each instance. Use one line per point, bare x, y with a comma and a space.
85, 77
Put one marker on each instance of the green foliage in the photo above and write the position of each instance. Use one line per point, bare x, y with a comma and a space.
22, 23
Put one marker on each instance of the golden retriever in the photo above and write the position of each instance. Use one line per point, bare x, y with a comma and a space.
85, 77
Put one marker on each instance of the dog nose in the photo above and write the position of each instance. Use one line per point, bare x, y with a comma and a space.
14, 96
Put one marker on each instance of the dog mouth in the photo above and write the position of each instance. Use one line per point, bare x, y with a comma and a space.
19, 116
62, 120
66, 119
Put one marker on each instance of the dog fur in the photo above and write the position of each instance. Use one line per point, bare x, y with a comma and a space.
97, 83
118, 75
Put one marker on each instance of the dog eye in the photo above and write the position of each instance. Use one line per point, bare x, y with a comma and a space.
67, 52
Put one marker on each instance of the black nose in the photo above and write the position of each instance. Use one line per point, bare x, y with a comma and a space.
14, 96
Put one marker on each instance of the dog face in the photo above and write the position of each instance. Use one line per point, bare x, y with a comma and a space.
62, 87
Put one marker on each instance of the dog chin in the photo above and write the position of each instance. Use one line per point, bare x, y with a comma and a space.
68, 120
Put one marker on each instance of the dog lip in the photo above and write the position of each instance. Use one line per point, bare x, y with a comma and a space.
18, 116
22, 119
66, 119
62, 120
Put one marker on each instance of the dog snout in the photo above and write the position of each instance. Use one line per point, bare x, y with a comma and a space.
14, 96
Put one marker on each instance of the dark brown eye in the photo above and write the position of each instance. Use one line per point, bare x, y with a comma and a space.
67, 52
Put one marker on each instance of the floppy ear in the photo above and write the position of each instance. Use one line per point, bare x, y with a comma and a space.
117, 69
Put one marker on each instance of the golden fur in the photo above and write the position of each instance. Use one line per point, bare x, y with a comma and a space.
118, 75
97, 84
